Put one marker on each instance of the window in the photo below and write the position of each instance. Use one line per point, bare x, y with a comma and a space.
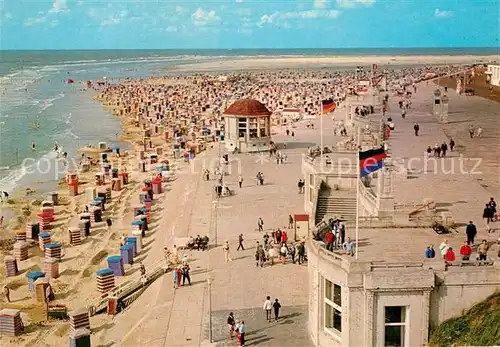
333, 308
242, 127
253, 128
395, 326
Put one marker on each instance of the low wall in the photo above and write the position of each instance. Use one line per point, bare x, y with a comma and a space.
367, 201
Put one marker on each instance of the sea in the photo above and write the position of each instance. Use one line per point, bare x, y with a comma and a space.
39, 107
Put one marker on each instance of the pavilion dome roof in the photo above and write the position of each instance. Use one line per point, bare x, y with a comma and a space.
247, 108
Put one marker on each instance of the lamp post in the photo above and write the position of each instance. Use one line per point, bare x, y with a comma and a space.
437, 102
444, 109
215, 204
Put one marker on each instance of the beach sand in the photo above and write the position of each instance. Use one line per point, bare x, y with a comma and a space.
332, 62
76, 285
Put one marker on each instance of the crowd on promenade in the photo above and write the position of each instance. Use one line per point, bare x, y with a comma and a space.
448, 253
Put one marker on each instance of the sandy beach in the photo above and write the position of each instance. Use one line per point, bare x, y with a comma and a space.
174, 120
331, 62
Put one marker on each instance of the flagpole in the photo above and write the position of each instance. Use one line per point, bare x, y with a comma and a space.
358, 176
321, 129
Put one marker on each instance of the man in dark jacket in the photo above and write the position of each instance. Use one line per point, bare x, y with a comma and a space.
301, 250
488, 215
471, 232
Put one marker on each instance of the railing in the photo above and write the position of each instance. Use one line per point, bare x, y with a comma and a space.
127, 287
375, 267
317, 189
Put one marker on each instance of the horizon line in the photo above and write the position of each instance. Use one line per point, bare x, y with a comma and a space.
242, 49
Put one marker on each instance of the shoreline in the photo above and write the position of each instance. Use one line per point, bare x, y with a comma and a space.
75, 287
34, 186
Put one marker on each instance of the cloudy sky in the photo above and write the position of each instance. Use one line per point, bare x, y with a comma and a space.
143, 24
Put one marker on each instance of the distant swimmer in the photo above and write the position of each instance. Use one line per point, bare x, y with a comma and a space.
33, 147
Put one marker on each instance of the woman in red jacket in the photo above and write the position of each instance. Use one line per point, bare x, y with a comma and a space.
465, 251
450, 255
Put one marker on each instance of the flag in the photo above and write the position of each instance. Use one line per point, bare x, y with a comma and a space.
371, 161
328, 106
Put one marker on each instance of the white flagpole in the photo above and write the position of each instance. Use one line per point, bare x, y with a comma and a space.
321, 128
357, 199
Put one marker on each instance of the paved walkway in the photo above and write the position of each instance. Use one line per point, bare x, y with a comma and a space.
450, 181
166, 317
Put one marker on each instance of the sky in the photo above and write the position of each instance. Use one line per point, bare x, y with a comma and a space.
223, 24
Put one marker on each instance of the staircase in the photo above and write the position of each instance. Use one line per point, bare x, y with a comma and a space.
336, 204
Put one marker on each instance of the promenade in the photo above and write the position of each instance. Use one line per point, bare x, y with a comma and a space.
454, 182
165, 317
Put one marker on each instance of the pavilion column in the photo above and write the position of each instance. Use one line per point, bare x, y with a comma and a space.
248, 129
258, 127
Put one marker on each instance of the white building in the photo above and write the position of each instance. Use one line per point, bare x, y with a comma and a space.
493, 75
247, 126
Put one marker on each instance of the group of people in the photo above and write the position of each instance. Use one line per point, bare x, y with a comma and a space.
236, 328
198, 243
447, 252
439, 150
270, 250
181, 273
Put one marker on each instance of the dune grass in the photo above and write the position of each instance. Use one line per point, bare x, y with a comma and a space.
479, 326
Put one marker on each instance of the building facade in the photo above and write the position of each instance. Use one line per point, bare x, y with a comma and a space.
353, 303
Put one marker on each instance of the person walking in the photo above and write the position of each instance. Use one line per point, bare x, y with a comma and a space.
260, 256
185, 275
260, 224
276, 306
488, 217
240, 243
268, 305
444, 149
179, 276
227, 251
109, 223
241, 333
271, 253
470, 231
283, 253
291, 251
416, 129
452, 145
240, 180
230, 324
290, 221
301, 250
175, 277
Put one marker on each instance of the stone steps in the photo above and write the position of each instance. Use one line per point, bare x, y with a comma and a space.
335, 206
